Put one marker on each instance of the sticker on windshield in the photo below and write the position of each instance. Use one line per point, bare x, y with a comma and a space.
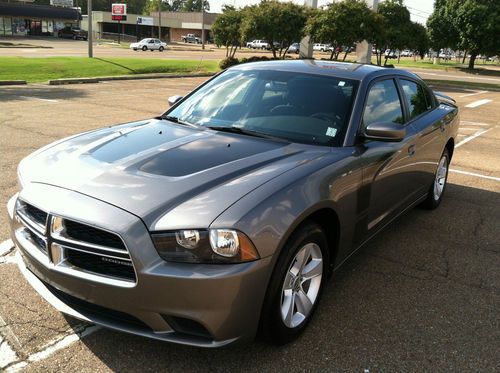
341, 83
331, 132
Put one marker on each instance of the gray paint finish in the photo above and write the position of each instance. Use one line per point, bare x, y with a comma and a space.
156, 175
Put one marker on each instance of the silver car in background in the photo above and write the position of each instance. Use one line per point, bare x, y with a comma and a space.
149, 44
223, 217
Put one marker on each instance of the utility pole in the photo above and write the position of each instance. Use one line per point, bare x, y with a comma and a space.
89, 28
306, 48
159, 19
202, 25
364, 49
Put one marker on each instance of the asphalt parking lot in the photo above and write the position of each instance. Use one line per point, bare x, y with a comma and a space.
423, 296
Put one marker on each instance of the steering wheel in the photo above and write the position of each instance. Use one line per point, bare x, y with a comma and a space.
333, 119
280, 108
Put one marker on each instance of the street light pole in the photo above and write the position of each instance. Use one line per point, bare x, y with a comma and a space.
89, 28
159, 19
306, 49
364, 49
202, 25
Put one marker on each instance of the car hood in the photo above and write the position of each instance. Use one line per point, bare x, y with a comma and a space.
156, 168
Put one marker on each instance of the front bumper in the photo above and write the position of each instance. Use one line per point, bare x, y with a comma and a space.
193, 304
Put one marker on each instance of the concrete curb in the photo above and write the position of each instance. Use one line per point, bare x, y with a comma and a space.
125, 77
12, 82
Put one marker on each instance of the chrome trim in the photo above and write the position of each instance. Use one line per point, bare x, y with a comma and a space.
54, 253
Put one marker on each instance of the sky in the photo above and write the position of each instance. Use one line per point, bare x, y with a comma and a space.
419, 9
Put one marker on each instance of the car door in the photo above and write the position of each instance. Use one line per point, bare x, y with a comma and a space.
388, 178
429, 128
151, 44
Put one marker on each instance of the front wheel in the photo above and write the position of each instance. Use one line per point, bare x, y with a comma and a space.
436, 191
144, 48
161, 49
296, 285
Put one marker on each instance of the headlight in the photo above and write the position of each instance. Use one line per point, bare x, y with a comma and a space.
205, 246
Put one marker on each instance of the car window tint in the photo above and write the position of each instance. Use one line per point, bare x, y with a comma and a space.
415, 98
383, 104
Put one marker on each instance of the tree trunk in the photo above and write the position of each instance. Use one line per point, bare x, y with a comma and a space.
465, 56
473, 56
345, 55
332, 54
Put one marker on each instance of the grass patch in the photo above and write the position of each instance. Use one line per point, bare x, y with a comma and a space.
44, 69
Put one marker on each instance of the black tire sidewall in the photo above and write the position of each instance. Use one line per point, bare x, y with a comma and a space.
272, 326
144, 48
432, 203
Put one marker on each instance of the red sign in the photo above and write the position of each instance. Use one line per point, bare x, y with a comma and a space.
118, 9
118, 18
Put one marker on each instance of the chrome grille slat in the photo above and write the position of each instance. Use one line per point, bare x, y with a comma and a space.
77, 242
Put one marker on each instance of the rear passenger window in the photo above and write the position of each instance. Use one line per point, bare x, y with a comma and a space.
383, 104
415, 98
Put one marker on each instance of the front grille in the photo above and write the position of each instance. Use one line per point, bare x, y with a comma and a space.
91, 309
101, 264
75, 246
36, 214
86, 233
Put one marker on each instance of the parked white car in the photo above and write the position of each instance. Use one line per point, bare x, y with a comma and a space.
149, 44
407, 53
322, 47
258, 44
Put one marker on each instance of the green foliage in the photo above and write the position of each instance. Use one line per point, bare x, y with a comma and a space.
472, 25
341, 24
397, 26
226, 30
418, 39
275, 22
228, 62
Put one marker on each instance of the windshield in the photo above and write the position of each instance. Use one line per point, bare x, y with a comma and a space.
296, 107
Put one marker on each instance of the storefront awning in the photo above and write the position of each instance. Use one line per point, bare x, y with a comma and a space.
38, 11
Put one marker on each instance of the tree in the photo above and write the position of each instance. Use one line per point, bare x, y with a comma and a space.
226, 30
397, 26
376, 30
168, 6
276, 22
340, 24
479, 27
195, 5
441, 27
418, 39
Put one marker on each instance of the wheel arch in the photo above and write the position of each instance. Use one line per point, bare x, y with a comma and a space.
450, 146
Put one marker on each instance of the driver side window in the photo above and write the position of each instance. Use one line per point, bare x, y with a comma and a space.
383, 104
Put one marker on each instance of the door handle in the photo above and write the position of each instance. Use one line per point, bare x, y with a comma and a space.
411, 150
442, 127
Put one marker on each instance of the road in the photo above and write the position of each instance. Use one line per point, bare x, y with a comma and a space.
422, 296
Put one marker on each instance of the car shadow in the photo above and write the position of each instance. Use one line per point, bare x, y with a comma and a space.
420, 295
37, 92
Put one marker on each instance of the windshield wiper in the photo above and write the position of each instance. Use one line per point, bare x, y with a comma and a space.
244, 131
177, 120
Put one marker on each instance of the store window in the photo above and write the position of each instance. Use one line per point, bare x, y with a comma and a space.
18, 26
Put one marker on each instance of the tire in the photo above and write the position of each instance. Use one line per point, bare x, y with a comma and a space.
135, 49
291, 301
161, 49
74, 37
144, 48
438, 187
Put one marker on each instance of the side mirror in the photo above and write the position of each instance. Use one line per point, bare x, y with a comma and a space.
172, 100
385, 131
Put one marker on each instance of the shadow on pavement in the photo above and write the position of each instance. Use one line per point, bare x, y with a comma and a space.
28, 93
423, 295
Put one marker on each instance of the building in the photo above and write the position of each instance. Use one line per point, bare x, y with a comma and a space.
173, 24
29, 19
188, 23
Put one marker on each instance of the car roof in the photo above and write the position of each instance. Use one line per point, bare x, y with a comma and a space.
343, 70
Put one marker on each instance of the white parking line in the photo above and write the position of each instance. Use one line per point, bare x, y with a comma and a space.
467, 139
7, 354
468, 129
478, 103
6, 247
37, 98
474, 174
474, 94
468, 123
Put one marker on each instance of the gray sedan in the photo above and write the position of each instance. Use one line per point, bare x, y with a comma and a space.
222, 218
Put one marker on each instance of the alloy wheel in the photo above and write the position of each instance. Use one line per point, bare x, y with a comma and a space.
301, 285
440, 180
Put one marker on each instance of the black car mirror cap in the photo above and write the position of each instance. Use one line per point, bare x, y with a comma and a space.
385, 131
172, 100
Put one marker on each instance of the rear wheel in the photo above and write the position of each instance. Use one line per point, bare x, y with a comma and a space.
296, 285
436, 191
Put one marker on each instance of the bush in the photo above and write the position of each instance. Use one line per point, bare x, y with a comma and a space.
228, 62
